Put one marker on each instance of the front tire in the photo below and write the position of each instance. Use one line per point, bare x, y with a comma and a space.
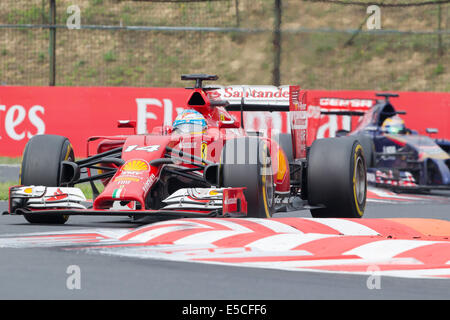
337, 178
41, 165
245, 162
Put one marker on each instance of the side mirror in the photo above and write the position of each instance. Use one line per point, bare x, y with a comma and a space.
431, 130
342, 133
126, 124
229, 124
167, 129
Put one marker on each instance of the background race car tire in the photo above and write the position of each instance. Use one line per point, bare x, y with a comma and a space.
369, 149
337, 178
245, 162
342, 133
284, 140
41, 162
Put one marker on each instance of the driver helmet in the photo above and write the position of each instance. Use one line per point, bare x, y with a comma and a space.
394, 125
190, 122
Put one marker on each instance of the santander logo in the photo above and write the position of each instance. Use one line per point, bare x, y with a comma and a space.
20, 123
255, 92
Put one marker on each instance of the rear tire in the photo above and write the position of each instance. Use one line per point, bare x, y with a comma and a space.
337, 178
41, 164
245, 162
284, 140
369, 149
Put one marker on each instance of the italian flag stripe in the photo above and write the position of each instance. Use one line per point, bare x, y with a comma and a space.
116, 193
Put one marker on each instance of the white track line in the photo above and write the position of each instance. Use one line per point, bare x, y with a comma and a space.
282, 242
228, 224
275, 226
384, 249
153, 233
346, 227
208, 237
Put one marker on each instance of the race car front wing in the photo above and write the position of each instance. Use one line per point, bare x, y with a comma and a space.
191, 202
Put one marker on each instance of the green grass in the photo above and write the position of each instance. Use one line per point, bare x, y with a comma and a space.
10, 160
4, 187
109, 56
32, 14
438, 70
85, 187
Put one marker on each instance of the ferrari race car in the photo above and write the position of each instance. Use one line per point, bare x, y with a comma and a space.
205, 165
399, 158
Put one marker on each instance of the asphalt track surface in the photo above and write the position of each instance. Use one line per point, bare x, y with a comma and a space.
41, 273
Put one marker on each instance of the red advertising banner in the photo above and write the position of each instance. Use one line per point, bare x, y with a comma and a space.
81, 112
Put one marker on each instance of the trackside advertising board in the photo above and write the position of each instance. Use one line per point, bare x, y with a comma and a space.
81, 112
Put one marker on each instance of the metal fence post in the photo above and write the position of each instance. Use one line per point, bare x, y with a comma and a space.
238, 18
276, 78
52, 43
43, 12
440, 47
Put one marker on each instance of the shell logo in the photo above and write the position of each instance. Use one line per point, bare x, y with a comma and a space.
136, 165
213, 193
28, 190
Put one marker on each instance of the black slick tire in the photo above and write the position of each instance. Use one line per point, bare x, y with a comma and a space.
337, 178
245, 162
41, 164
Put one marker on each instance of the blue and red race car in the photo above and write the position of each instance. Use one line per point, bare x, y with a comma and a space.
401, 158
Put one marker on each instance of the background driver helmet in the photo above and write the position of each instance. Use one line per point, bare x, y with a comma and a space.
394, 125
190, 121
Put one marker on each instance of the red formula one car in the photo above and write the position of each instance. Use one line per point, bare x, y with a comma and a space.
205, 165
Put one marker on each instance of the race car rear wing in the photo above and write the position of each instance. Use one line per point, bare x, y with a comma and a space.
237, 97
255, 99
249, 106
295, 104
272, 99
343, 113
356, 113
